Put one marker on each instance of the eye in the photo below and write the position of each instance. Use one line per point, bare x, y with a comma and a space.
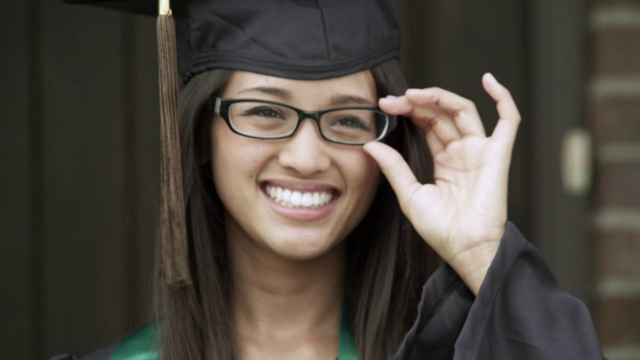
351, 122
264, 111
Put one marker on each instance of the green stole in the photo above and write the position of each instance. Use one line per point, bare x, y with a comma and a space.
141, 345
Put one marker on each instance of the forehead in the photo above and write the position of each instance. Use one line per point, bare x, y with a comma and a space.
249, 84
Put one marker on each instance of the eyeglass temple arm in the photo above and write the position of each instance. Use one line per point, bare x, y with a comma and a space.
216, 105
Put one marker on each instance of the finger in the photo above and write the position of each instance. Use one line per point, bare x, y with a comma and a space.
434, 143
507, 126
428, 115
395, 105
395, 169
461, 110
402, 106
438, 125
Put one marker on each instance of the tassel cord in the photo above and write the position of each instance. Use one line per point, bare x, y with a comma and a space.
174, 243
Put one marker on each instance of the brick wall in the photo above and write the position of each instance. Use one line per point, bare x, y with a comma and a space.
614, 119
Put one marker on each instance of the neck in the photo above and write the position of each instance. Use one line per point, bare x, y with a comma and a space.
286, 307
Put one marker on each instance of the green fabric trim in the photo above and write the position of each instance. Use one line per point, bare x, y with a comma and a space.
346, 345
142, 345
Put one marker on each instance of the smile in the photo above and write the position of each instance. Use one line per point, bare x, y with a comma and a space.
298, 199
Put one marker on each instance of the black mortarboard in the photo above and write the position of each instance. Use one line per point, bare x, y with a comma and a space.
299, 39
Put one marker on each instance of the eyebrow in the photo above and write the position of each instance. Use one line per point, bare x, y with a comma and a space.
346, 99
269, 90
336, 100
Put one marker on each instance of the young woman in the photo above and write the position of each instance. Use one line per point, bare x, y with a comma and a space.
319, 200
284, 266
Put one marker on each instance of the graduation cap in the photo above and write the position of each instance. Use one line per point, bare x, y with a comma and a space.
298, 39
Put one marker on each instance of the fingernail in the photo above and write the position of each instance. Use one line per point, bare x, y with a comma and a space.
391, 97
490, 77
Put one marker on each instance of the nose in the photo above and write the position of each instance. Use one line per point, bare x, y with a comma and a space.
305, 152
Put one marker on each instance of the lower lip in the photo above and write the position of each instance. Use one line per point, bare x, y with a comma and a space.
300, 213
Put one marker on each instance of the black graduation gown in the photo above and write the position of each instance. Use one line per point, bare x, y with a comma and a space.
520, 313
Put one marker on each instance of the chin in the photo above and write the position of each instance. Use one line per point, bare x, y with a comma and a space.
305, 251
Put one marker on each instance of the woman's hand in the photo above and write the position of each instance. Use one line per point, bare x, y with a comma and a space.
463, 214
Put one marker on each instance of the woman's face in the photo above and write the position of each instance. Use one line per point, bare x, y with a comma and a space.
253, 177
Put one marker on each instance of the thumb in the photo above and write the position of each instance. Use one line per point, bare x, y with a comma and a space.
396, 170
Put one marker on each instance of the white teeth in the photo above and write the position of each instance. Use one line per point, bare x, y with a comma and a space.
306, 200
286, 195
297, 199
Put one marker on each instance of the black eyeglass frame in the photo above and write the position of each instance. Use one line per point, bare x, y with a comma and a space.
221, 107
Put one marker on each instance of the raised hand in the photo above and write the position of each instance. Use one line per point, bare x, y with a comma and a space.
463, 214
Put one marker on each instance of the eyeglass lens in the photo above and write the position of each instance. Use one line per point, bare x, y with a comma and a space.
353, 126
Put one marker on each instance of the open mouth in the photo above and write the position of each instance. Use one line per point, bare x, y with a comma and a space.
299, 199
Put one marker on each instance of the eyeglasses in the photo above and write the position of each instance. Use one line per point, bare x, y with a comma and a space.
261, 119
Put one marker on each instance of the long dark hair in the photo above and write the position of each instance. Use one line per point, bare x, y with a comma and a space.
387, 261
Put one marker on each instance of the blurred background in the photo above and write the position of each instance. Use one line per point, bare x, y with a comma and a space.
79, 159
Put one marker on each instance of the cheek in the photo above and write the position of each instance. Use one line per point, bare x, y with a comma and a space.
233, 158
224, 155
365, 174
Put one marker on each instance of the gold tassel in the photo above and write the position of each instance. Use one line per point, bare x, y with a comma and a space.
173, 234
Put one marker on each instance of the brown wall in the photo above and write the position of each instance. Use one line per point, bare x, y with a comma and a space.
614, 119
79, 157
79, 177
